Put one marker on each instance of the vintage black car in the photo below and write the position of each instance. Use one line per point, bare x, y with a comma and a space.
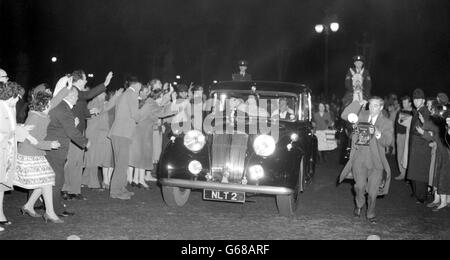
231, 165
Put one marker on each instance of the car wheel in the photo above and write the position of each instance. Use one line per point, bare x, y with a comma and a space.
287, 204
175, 196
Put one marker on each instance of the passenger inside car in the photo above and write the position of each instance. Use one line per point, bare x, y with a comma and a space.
284, 111
251, 107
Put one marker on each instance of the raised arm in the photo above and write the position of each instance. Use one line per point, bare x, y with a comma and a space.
59, 97
90, 94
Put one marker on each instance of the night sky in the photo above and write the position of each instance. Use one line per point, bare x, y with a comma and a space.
203, 39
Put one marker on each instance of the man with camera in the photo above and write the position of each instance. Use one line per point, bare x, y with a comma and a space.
374, 132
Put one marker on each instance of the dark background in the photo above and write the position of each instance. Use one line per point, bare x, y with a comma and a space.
407, 40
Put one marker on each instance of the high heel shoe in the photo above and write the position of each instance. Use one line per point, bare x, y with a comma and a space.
144, 186
433, 204
28, 212
440, 207
105, 186
55, 221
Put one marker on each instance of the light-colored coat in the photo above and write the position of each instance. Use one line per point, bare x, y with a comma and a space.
10, 134
377, 146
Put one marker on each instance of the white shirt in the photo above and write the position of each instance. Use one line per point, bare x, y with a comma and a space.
373, 120
68, 103
12, 118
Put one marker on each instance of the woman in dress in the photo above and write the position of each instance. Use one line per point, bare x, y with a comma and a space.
100, 152
162, 97
322, 121
141, 152
10, 134
33, 170
436, 131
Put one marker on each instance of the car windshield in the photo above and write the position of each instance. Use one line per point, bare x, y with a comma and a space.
260, 103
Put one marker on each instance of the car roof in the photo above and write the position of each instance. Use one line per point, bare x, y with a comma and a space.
261, 86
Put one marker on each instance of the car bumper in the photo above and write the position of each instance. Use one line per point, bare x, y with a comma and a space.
187, 184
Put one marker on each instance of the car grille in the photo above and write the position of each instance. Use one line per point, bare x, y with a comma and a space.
228, 157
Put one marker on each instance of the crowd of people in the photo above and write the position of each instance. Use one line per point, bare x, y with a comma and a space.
420, 141
55, 141
73, 131
414, 128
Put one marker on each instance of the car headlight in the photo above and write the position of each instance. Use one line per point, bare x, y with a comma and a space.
256, 172
195, 167
264, 145
194, 140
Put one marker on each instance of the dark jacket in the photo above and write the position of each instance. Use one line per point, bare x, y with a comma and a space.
239, 77
80, 109
62, 128
433, 133
419, 149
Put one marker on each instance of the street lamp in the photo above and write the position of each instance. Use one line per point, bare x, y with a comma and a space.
326, 28
54, 59
334, 27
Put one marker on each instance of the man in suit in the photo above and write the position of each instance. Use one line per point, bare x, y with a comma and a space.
368, 162
284, 111
121, 133
63, 129
242, 75
73, 170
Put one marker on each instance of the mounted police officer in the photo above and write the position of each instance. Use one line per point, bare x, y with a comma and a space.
357, 81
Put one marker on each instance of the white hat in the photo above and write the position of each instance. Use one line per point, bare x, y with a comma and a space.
62, 83
3, 76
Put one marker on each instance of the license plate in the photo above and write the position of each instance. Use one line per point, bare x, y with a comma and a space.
229, 196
